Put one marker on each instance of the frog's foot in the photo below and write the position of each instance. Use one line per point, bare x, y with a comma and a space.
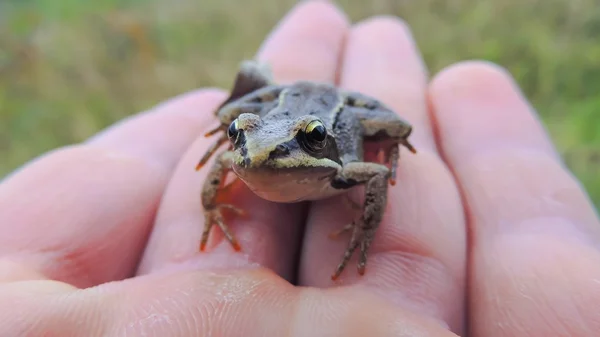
361, 236
393, 157
215, 216
356, 240
404, 142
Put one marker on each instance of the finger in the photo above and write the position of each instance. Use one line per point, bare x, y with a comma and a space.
418, 255
81, 214
248, 303
534, 254
305, 45
163, 133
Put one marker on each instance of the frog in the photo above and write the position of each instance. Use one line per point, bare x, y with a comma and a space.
303, 142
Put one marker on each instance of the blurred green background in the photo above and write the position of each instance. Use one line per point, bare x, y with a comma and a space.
69, 68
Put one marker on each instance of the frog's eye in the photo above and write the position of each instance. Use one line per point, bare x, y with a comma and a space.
315, 135
232, 131
316, 131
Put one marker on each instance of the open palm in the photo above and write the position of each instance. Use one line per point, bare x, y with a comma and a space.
486, 232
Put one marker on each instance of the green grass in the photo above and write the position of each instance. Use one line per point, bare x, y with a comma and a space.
69, 68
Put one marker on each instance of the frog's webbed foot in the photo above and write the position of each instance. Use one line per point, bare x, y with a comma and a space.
375, 177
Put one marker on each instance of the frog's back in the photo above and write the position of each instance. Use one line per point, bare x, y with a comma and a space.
308, 98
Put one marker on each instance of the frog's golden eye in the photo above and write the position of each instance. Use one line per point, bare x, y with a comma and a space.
315, 135
316, 131
232, 131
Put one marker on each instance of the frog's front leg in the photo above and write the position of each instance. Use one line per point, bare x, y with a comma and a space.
374, 176
212, 210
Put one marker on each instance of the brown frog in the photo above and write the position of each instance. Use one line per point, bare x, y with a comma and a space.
303, 142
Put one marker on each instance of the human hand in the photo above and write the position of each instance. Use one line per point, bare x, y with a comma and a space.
102, 238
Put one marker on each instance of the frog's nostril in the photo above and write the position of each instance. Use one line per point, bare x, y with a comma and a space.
279, 151
282, 150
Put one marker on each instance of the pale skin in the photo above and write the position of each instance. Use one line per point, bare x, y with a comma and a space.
533, 259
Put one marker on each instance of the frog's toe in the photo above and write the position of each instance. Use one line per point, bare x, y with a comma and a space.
211, 151
214, 216
353, 204
214, 131
352, 245
235, 209
336, 234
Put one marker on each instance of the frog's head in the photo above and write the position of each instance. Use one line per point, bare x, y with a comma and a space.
283, 159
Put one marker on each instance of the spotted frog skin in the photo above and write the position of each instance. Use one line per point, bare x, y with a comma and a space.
303, 142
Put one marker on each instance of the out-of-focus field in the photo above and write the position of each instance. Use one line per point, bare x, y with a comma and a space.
69, 68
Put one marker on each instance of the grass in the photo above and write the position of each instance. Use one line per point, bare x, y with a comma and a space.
69, 68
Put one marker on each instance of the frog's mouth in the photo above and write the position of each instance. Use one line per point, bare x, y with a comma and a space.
285, 184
